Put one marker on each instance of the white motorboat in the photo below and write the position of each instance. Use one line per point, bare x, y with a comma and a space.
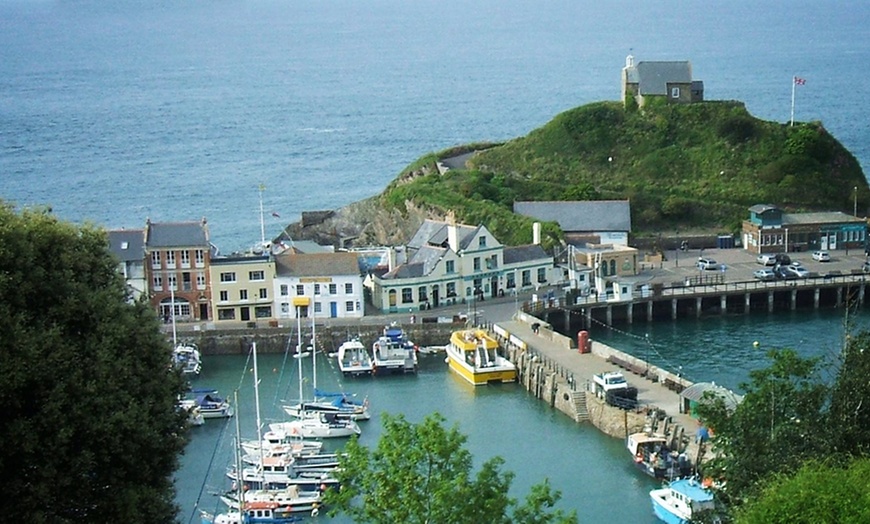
394, 353
681, 501
187, 358
212, 405
354, 359
320, 425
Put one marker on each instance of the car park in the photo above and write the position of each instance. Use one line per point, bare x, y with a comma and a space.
821, 256
766, 260
707, 264
764, 274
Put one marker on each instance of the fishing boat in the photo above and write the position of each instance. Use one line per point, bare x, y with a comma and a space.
681, 501
394, 353
212, 405
187, 358
475, 356
652, 456
354, 359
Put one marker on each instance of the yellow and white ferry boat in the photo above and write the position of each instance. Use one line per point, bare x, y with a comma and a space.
474, 355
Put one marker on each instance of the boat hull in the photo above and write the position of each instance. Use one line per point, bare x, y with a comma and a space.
482, 378
662, 511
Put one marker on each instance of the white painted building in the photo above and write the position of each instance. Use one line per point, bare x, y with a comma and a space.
331, 281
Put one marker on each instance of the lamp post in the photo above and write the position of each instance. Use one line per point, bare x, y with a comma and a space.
855, 206
677, 248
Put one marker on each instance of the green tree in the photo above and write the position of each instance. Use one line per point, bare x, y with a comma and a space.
817, 493
850, 400
90, 430
777, 426
421, 473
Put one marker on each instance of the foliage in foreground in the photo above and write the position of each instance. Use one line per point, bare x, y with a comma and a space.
792, 416
421, 473
817, 494
90, 430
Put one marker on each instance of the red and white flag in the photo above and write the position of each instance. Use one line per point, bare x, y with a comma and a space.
799, 81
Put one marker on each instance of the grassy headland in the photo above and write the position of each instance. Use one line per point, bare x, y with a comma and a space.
697, 166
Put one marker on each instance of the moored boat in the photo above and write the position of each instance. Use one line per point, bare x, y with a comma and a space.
211, 405
681, 501
321, 425
354, 359
475, 356
187, 358
263, 512
653, 457
394, 353
342, 405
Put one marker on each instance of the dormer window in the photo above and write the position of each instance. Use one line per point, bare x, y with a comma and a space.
481, 242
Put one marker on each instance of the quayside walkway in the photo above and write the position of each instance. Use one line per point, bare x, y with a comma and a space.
532, 342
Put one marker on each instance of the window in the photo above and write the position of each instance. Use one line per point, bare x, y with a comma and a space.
158, 283
285, 308
256, 276
228, 277
155, 259
285, 290
185, 259
481, 242
542, 275
333, 289
421, 294
492, 262
510, 281
263, 311
300, 289
200, 257
451, 289
264, 293
348, 288
318, 307
407, 295
243, 294
527, 277
200, 280
478, 286
172, 281
185, 281
316, 289
170, 259
348, 306
613, 267
477, 263
675, 92
450, 266
225, 295
226, 314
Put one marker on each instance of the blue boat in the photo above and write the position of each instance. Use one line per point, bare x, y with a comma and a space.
681, 501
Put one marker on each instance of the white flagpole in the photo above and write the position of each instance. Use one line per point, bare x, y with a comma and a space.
263, 224
793, 84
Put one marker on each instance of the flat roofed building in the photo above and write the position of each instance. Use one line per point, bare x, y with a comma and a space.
771, 230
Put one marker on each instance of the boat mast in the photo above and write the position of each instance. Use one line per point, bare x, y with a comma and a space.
262, 222
172, 306
240, 476
299, 348
257, 404
313, 360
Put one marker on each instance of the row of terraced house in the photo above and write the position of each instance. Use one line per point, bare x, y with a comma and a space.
175, 267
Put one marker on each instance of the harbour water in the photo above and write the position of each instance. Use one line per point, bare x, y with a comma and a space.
113, 112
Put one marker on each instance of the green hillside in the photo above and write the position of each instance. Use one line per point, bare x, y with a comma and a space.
697, 166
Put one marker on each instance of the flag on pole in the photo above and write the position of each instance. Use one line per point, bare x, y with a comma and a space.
799, 81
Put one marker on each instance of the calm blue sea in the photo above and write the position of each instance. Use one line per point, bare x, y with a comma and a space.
114, 112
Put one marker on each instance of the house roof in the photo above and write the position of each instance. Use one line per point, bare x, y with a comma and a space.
652, 78
434, 233
577, 216
127, 244
516, 254
422, 262
176, 234
316, 264
825, 217
761, 208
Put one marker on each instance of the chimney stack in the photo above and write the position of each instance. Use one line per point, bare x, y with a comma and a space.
536, 233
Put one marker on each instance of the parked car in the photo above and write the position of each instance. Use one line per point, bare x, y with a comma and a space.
798, 270
764, 274
822, 256
707, 264
782, 259
865, 267
783, 273
766, 260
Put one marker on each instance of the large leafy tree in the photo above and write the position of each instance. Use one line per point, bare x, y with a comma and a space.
90, 430
818, 493
850, 400
421, 473
774, 429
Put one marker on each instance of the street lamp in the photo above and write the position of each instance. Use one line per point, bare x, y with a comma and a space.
855, 208
676, 248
